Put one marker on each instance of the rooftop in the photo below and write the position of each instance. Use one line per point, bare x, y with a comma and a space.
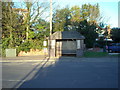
67, 35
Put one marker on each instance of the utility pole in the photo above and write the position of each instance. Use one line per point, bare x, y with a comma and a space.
50, 17
50, 27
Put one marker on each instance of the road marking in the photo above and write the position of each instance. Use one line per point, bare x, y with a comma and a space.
14, 80
114, 53
35, 63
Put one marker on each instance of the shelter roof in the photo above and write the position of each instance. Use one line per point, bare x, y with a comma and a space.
67, 35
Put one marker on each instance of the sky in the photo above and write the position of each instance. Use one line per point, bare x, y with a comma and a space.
108, 8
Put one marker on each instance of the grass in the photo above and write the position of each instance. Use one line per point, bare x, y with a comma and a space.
95, 54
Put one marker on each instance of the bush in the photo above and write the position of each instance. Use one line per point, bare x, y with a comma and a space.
22, 46
31, 44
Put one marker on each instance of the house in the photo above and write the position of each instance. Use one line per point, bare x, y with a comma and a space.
66, 43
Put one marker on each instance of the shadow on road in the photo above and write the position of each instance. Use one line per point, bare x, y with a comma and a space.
63, 73
44, 61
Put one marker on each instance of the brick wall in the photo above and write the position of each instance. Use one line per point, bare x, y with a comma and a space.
32, 52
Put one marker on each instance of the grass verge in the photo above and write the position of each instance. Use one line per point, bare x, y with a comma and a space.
95, 54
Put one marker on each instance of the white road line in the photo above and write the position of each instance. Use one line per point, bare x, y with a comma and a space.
14, 80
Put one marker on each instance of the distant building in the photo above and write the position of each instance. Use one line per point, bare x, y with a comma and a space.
21, 11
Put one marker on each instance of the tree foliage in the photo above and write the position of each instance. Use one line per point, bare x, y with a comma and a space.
89, 31
10, 24
12, 32
24, 29
83, 19
115, 34
61, 19
20, 27
90, 12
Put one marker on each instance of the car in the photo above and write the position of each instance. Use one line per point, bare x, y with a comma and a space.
113, 47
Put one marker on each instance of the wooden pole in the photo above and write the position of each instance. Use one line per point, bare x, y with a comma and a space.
50, 28
50, 17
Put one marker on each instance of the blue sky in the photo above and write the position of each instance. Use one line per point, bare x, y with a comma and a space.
108, 8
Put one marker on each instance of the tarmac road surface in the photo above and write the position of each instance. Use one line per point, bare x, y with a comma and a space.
64, 72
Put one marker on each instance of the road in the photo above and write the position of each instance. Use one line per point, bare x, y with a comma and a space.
65, 72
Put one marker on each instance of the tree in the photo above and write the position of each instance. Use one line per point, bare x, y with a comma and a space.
89, 31
75, 14
10, 23
90, 12
12, 28
84, 20
34, 12
89, 23
61, 19
33, 28
18, 24
41, 31
75, 17
115, 34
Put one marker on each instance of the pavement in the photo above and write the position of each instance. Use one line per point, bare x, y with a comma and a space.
38, 58
26, 58
63, 72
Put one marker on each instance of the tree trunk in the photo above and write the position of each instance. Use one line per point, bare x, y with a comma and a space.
27, 29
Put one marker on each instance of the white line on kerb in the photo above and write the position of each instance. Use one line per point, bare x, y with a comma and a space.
15, 80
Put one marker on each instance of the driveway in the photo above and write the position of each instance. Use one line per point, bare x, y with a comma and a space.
64, 72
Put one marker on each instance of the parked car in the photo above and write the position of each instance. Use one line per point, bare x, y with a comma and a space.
114, 47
